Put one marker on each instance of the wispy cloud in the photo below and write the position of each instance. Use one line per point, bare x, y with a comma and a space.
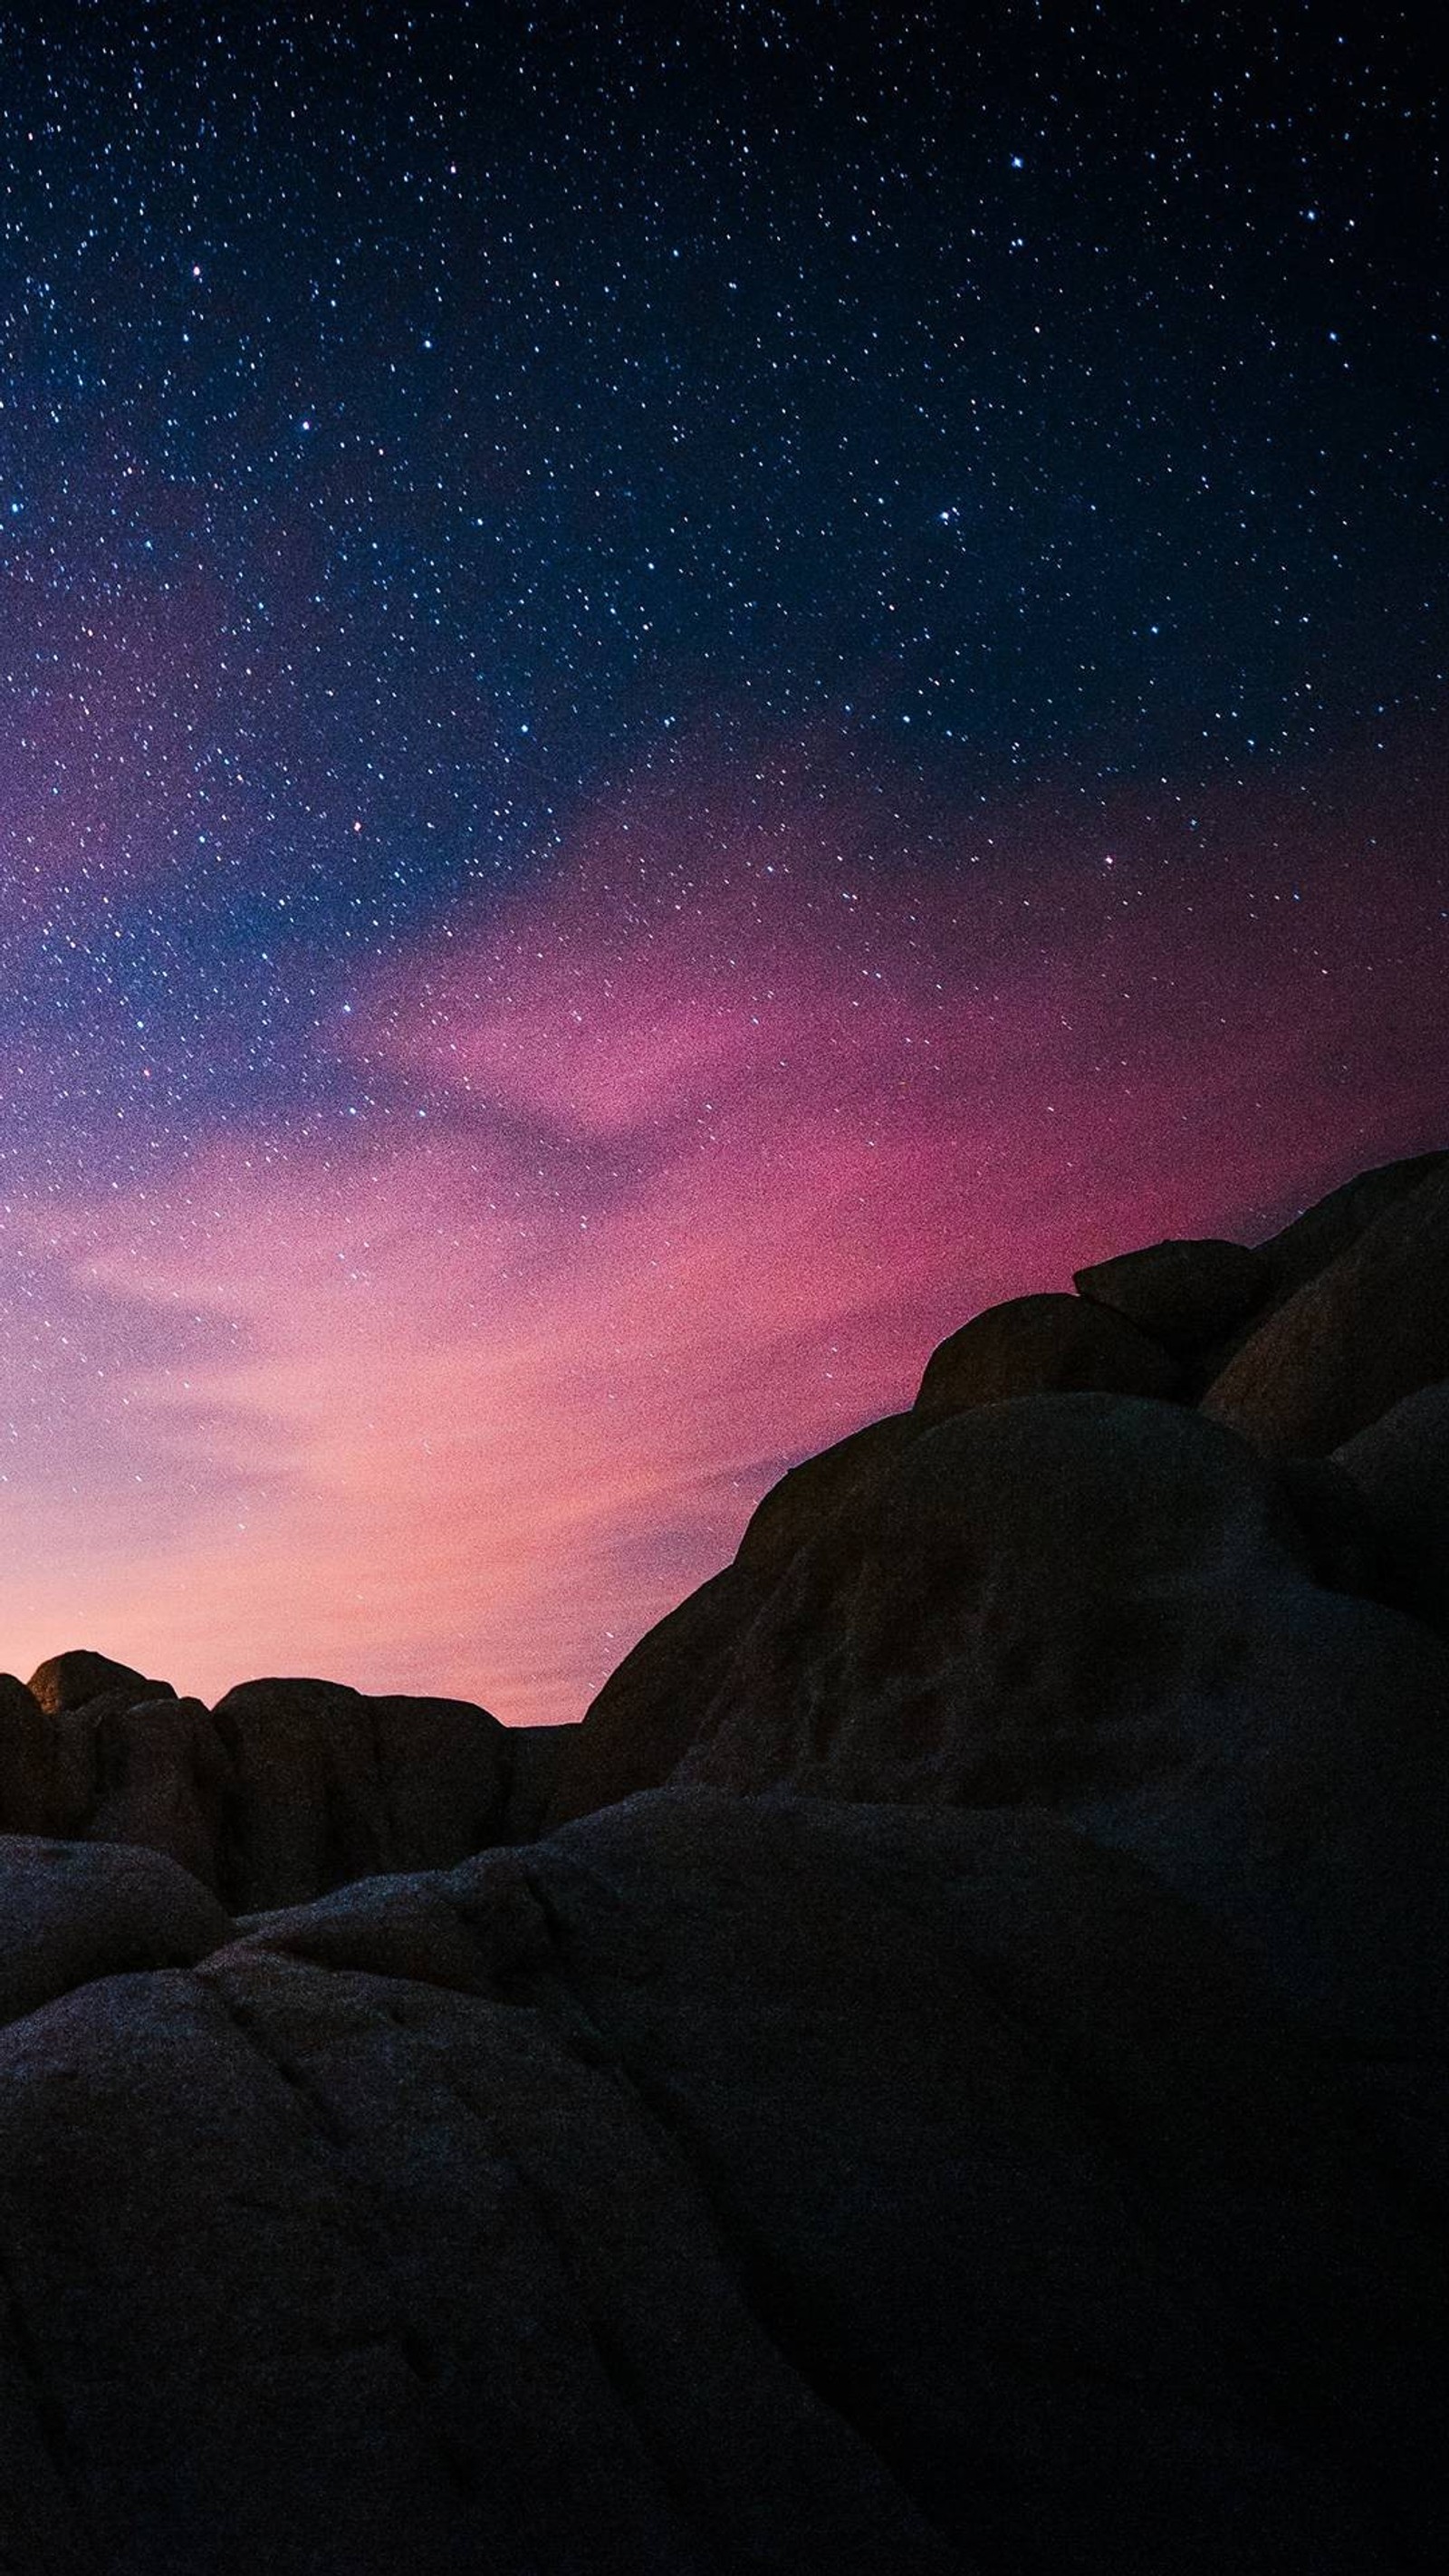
707, 1160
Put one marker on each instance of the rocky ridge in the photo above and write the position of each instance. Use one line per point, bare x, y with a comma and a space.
943, 2069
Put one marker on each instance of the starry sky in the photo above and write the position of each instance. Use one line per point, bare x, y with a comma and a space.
681, 692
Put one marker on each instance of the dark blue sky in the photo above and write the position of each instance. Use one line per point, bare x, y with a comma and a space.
413, 417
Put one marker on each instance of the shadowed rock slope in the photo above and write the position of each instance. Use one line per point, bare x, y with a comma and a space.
1317, 1334
943, 2070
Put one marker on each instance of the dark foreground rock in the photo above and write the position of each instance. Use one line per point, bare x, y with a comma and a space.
72, 1912
722, 2184
985, 2114
1401, 1467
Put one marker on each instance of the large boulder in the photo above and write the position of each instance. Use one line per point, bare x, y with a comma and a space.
1370, 1328
728, 2184
1332, 1225
1401, 1466
1185, 1295
328, 1785
1039, 1346
1107, 1608
794, 1509
642, 1723
72, 1912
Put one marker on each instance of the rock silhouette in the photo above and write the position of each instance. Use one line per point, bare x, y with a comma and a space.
1332, 1225
79, 1679
1185, 1295
942, 2070
1042, 1345
283, 1790
1371, 1327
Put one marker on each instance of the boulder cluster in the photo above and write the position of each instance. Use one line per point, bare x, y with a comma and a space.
943, 2070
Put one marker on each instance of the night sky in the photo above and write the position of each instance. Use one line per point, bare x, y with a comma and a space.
681, 692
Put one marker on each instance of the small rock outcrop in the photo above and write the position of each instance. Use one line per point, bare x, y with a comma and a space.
329, 1785
1045, 1345
76, 1679
1184, 1295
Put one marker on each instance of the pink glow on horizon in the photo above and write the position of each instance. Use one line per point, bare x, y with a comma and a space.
707, 1167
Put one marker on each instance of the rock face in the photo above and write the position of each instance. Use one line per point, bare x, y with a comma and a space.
1039, 1346
283, 1790
1104, 1608
1185, 1295
644, 1720
76, 1679
1333, 1224
728, 2184
1356, 1337
942, 2071
1401, 1466
72, 1912
793, 1510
